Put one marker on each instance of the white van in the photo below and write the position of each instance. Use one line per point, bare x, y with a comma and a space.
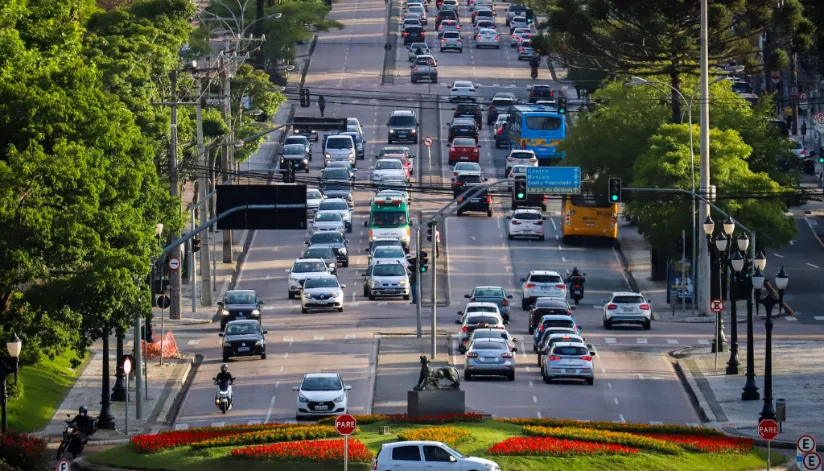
339, 148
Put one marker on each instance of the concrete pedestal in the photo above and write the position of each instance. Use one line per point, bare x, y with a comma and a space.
422, 403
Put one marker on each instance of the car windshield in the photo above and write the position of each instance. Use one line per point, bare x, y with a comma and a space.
321, 383
320, 252
545, 279
628, 300
333, 205
298, 149
327, 217
308, 267
470, 178
326, 238
462, 85
389, 252
339, 143
558, 323
489, 346
340, 164
402, 121
463, 143
489, 334
389, 164
467, 165
522, 155
571, 351
296, 140
240, 298
388, 270
481, 309
741, 87
244, 328
452, 35
321, 283
488, 293
336, 174
389, 218
313, 194
527, 216
482, 320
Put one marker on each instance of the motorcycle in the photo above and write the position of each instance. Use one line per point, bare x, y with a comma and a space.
73, 439
576, 289
223, 399
534, 73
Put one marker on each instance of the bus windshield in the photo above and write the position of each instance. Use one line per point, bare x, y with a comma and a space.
389, 218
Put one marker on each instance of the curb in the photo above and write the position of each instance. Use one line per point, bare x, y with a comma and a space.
693, 392
183, 392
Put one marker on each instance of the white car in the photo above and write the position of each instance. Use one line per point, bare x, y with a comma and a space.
487, 38
385, 167
302, 269
474, 308
413, 50
539, 284
328, 221
389, 254
420, 455
451, 40
517, 34
518, 22
568, 360
339, 148
322, 293
340, 206
462, 90
321, 395
313, 199
474, 320
626, 307
484, 24
467, 168
521, 157
526, 223
515, 172
418, 10
352, 124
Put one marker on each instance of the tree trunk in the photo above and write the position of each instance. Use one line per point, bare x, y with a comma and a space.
675, 81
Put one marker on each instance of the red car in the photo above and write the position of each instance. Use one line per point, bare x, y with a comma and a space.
464, 150
407, 164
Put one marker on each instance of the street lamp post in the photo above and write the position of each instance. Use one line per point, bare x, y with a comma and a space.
750, 388
737, 264
13, 347
119, 390
106, 419
781, 280
721, 242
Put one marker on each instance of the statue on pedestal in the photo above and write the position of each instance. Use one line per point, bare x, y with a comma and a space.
430, 380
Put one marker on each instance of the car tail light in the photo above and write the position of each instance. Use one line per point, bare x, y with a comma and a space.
479, 36
472, 355
586, 358
644, 307
500, 130
803, 152
491, 108
405, 34
510, 159
489, 200
560, 286
514, 37
569, 312
567, 218
454, 174
459, 39
516, 223
423, 33
533, 159
460, 200
511, 175
523, 146
531, 92
551, 94
478, 112
459, 183
506, 355
522, 49
541, 329
443, 40
475, 150
497, 38
546, 197
375, 466
464, 329
530, 285
554, 358
415, 69
539, 223
612, 307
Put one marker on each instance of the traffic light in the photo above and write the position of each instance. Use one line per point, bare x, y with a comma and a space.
821, 159
424, 262
562, 104
429, 231
195, 244
519, 193
614, 190
413, 265
305, 99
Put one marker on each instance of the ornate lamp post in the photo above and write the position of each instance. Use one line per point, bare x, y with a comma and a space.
7, 368
106, 419
750, 388
737, 264
781, 280
119, 390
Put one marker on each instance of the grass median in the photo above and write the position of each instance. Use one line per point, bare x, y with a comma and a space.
484, 435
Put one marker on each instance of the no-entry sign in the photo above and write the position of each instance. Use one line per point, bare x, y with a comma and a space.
346, 424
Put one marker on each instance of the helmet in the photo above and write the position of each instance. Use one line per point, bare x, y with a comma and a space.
84, 411
575, 270
224, 368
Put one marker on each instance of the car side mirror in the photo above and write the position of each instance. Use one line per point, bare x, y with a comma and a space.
603, 301
460, 313
220, 334
458, 322
452, 459
220, 304
467, 296
343, 286
449, 124
347, 388
306, 243
261, 303
479, 146
366, 224
288, 270
265, 332
414, 156
649, 302
371, 168
514, 339
486, 179
523, 280
510, 217
543, 218
573, 307
514, 349
295, 388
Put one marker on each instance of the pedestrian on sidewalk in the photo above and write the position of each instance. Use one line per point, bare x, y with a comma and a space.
413, 285
321, 104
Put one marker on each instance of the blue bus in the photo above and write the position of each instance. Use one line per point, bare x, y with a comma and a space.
539, 128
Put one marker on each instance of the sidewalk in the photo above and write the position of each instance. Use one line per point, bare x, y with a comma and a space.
798, 377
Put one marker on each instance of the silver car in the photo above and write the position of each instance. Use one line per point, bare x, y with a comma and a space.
302, 269
413, 50
525, 52
518, 22
492, 294
322, 293
487, 38
484, 24
489, 357
569, 360
484, 333
327, 222
386, 279
340, 206
451, 40
391, 254
313, 199
556, 337
381, 242
419, 11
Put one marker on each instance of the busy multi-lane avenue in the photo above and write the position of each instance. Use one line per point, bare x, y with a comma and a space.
634, 380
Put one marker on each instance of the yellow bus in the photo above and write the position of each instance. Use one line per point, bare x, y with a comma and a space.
589, 215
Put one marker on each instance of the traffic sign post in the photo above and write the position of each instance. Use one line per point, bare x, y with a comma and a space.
174, 263
804, 445
427, 141
716, 306
346, 425
818, 119
811, 462
768, 430
802, 101
775, 77
553, 180
63, 465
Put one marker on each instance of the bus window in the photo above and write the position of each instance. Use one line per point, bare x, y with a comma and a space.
588, 215
543, 123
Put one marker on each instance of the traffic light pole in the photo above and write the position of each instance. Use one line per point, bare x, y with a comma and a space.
434, 291
418, 275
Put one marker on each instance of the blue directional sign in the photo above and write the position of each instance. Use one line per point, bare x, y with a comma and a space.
553, 180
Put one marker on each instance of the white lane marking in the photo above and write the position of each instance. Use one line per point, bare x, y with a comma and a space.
603, 370
472, 237
527, 369
535, 399
286, 355
253, 422
218, 424
616, 401
353, 296
610, 340
672, 341
498, 220
655, 422
271, 408
277, 383
609, 385
818, 318
554, 227
181, 426
281, 369
793, 319
814, 266
317, 337
193, 342
704, 341
641, 340
130, 343
350, 337
289, 339
531, 384
563, 259
623, 420
539, 414
777, 255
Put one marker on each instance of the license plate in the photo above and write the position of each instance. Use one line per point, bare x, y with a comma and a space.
464, 157
321, 407
464, 129
628, 309
476, 200
243, 349
489, 359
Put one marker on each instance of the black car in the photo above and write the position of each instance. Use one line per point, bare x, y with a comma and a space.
479, 202
300, 140
470, 110
413, 34
336, 183
239, 304
540, 92
243, 339
296, 154
335, 241
463, 127
403, 126
499, 105
327, 254
445, 14
548, 306
462, 182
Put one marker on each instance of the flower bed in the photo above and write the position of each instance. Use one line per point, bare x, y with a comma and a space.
280, 434
403, 418
450, 435
23, 451
176, 438
605, 436
362, 419
306, 450
549, 446
617, 427
706, 444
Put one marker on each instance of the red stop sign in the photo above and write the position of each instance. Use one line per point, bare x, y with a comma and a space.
346, 424
768, 429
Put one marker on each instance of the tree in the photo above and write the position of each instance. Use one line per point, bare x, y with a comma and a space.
667, 165
657, 37
814, 12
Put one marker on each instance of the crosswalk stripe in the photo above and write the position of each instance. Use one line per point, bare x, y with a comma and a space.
655, 422
288, 339
181, 426
350, 337
641, 340
704, 342
254, 422
193, 342
218, 424
610, 340
317, 337
792, 318
672, 341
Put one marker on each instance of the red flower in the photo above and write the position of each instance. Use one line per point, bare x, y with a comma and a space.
176, 438
707, 444
307, 450
548, 446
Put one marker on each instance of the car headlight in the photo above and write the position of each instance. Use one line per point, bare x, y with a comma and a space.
306, 161
335, 295
351, 154
224, 312
328, 155
302, 399
492, 467
391, 131
376, 284
307, 296
413, 131
256, 312
259, 342
331, 265
402, 283
342, 250
340, 398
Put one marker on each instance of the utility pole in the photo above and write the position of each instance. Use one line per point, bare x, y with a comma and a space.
795, 91
175, 292
434, 291
138, 367
259, 34
203, 192
704, 165
228, 166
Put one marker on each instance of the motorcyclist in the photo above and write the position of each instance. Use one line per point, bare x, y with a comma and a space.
534, 63
576, 278
225, 376
84, 423
418, 51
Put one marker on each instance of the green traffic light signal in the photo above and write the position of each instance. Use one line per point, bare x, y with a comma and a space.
821, 160
520, 195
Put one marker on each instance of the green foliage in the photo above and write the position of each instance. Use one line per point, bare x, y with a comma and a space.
814, 12
14, 389
586, 75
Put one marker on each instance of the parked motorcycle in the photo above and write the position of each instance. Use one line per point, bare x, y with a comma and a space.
223, 398
73, 440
